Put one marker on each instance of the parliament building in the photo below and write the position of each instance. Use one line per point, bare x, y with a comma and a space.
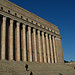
25, 36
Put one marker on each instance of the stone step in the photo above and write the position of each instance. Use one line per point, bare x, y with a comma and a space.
18, 68
5, 73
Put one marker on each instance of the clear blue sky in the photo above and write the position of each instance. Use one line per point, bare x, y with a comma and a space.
60, 13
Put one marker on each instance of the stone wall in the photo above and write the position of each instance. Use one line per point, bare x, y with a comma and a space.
27, 37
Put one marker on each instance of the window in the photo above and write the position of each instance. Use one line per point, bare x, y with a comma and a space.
27, 19
8, 11
36, 23
15, 14
2, 8
22, 17
32, 21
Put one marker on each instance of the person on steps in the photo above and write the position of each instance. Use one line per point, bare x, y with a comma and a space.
31, 73
26, 67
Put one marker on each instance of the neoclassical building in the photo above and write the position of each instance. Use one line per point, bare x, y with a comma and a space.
25, 36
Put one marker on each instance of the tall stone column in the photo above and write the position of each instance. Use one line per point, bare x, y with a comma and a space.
61, 50
34, 46
39, 46
43, 46
17, 42
51, 49
54, 49
47, 44
3, 35
57, 49
10, 41
29, 45
23, 43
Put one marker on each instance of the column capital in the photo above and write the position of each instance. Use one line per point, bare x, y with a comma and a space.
53, 36
34, 29
24, 25
46, 34
42, 32
18, 23
49, 35
11, 21
29, 27
38, 31
57, 38
4, 18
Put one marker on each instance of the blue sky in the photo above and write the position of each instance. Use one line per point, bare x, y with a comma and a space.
60, 13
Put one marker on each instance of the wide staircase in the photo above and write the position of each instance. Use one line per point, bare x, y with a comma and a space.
18, 68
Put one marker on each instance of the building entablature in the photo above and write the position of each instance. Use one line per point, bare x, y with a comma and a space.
19, 12
31, 24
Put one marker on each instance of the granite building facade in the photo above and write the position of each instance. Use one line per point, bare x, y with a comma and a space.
26, 37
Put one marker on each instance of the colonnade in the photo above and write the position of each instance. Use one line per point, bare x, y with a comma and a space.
22, 42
